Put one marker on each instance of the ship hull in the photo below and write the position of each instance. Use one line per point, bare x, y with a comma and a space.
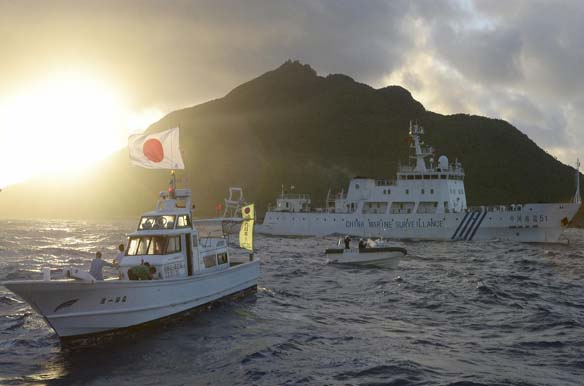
74, 308
530, 223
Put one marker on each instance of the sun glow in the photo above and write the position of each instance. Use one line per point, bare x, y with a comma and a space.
65, 123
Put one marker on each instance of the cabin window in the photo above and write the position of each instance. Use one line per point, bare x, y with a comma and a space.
210, 261
431, 191
388, 191
156, 222
356, 186
422, 191
407, 191
153, 245
173, 245
442, 176
222, 258
183, 221
418, 177
195, 241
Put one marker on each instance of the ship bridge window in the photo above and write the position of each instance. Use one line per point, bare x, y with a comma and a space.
222, 258
418, 177
183, 221
156, 222
375, 207
210, 261
153, 245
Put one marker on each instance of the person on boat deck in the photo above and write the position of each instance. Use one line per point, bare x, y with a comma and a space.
141, 272
347, 242
362, 244
96, 269
119, 257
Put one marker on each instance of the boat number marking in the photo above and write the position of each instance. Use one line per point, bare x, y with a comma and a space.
117, 299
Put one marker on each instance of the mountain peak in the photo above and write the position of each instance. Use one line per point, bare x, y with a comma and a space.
295, 66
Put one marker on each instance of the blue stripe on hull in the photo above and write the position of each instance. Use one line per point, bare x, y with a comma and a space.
463, 230
459, 225
478, 225
474, 218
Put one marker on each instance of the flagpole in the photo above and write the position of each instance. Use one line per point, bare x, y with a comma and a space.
172, 184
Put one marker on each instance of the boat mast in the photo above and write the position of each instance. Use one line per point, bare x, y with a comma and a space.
172, 185
416, 144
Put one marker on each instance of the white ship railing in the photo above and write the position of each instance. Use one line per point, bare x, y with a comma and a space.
292, 196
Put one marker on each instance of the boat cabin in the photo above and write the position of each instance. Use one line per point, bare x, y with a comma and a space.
166, 240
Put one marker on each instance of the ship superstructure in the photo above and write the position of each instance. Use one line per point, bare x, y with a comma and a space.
427, 200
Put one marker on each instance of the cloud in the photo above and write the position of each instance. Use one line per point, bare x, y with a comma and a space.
517, 60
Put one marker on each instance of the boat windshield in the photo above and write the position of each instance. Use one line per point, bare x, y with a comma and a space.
156, 222
153, 245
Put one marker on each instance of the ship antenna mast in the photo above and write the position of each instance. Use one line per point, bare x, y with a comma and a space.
416, 145
577, 198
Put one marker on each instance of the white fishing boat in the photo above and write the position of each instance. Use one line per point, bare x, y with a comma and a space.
426, 201
189, 268
371, 253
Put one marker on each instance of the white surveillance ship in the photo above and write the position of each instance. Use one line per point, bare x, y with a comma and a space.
192, 268
426, 202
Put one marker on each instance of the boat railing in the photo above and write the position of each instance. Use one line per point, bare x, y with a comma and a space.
294, 196
452, 169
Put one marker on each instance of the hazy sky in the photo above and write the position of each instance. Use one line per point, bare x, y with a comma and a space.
517, 60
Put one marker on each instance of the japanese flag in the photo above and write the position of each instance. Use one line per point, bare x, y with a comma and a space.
156, 151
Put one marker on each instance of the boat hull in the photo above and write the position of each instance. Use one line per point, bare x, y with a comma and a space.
74, 308
530, 223
372, 257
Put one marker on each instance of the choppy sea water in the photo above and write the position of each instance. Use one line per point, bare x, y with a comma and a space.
479, 313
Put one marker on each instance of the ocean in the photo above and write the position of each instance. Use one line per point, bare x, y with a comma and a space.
453, 313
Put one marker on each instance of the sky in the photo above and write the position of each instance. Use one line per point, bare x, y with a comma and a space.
77, 77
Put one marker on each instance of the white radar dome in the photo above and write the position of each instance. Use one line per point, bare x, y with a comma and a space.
443, 162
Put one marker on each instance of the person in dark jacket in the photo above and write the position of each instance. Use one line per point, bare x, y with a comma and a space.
347, 242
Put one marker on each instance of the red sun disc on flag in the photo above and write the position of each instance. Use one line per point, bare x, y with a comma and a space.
247, 210
153, 150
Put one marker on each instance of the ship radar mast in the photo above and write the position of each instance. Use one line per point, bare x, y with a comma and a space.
420, 152
577, 198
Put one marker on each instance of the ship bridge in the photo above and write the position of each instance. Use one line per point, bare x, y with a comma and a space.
422, 186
